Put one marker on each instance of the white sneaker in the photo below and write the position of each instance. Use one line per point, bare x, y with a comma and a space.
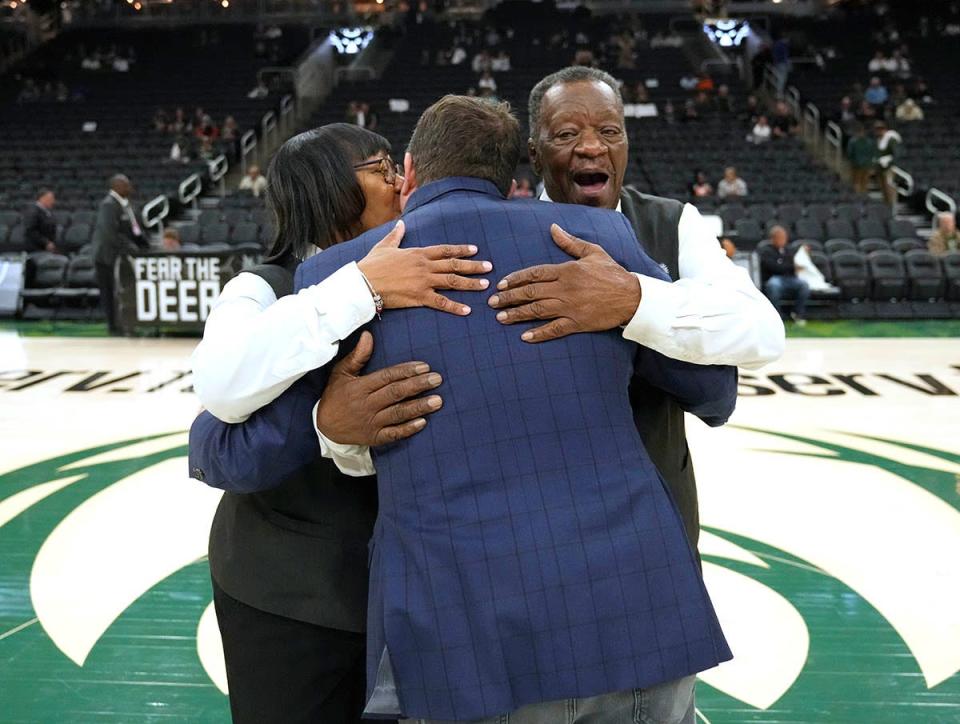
798, 320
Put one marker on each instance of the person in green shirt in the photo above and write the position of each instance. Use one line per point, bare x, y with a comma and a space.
862, 153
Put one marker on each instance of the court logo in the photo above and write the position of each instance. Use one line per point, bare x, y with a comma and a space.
107, 601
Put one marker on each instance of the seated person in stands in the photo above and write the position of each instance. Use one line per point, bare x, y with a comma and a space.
207, 129
909, 111
171, 239
946, 238
731, 186
524, 189
501, 63
701, 187
39, 226
783, 124
487, 81
779, 273
723, 102
761, 131
254, 182
876, 94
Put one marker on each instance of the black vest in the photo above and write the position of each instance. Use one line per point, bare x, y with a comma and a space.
298, 550
658, 418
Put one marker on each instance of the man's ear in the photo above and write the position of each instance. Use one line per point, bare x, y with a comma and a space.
513, 189
409, 180
534, 158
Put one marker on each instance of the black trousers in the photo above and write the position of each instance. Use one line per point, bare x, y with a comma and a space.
105, 282
284, 671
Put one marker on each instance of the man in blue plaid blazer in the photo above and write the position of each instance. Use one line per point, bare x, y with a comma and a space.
526, 549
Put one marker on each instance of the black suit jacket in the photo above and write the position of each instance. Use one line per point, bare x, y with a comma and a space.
39, 228
113, 232
658, 417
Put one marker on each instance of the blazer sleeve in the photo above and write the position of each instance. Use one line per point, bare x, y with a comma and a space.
33, 233
276, 440
262, 452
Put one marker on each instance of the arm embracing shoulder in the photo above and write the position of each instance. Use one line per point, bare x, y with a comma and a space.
261, 452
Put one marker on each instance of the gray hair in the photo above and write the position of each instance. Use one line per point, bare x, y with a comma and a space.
571, 74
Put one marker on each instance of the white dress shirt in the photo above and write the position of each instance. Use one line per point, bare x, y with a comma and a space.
713, 314
255, 346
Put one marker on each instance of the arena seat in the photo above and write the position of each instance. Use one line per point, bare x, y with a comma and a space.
46, 276
809, 228
901, 229
888, 274
925, 274
748, 233
245, 233
951, 271
871, 229
839, 229
790, 213
77, 236
835, 245
79, 283
848, 212
851, 275
820, 212
217, 233
233, 217
902, 246
870, 245
209, 217
189, 234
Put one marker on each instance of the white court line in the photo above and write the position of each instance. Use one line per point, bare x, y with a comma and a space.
18, 629
702, 716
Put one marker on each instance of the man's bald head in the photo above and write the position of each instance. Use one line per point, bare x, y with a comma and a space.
121, 185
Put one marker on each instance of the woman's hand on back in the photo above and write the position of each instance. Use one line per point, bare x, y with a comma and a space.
413, 277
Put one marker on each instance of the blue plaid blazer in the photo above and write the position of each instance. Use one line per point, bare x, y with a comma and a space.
526, 548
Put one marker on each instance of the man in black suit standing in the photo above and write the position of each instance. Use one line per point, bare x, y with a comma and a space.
40, 228
116, 228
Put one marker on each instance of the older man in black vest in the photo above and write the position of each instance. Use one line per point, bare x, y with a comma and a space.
710, 314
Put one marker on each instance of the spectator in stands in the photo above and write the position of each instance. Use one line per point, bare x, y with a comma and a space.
899, 66
643, 106
253, 181
180, 150
752, 112
921, 91
946, 238
778, 268
690, 112
116, 228
501, 63
761, 132
179, 124
208, 150
161, 121
458, 55
845, 116
862, 153
230, 131
888, 145
487, 82
701, 187
260, 90
909, 111
91, 61
482, 62
780, 52
524, 189
171, 239
207, 129
731, 186
877, 95
783, 124
877, 64
39, 226
626, 55
723, 102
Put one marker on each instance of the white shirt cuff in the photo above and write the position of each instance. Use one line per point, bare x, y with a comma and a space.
352, 460
655, 314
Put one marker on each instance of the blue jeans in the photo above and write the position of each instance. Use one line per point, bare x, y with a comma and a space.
779, 286
669, 703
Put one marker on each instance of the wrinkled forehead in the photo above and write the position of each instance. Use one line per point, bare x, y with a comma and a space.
580, 101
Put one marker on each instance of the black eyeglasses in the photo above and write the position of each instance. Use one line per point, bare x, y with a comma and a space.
386, 166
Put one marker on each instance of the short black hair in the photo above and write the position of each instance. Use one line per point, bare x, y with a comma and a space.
312, 189
43, 191
571, 74
465, 136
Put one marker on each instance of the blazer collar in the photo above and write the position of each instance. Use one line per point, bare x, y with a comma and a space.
436, 189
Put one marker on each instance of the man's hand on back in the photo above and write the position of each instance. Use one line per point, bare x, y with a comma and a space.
591, 294
378, 408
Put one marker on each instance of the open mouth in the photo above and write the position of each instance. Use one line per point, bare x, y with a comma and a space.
591, 182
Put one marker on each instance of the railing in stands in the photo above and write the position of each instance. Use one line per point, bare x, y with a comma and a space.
248, 147
268, 127
902, 182
190, 189
792, 97
810, 125
218, 168
287, 114
154, 212
833, 138
947, 204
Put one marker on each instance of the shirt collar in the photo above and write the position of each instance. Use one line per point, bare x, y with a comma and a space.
120, 200
436, 189
544, 197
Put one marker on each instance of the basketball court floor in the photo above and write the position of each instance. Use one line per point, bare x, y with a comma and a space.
831, 545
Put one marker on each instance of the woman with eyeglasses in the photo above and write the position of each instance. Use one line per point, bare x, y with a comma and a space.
289, 564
